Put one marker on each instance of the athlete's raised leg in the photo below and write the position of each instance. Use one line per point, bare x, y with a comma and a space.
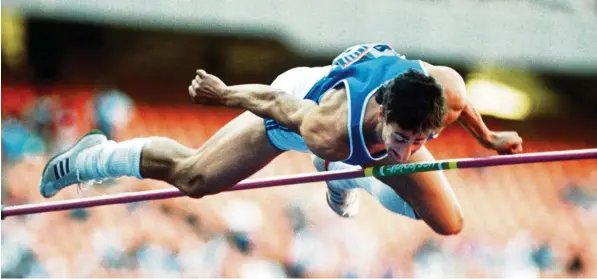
343, 197
427, 195
431, 196
234, 153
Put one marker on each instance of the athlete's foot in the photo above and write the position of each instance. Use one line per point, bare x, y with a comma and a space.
345, 202
60, 171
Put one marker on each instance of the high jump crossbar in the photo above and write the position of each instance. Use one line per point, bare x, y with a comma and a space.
379, 171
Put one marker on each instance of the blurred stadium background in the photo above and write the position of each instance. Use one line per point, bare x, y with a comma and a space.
123, 67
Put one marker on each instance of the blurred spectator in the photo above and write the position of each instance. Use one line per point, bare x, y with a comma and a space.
134, 205
80, 214
16, 100
430, 260
518, 257
297, 217
41, 116
18, 259
19, 141
107, 243
243, 218
157, 261
113, 110
65, 129
576, 266
580, 196
360, 249
262, 269
310, 253
203, 259
543, 256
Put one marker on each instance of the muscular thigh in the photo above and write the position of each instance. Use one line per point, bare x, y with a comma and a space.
431, 196
235, 152
241, 147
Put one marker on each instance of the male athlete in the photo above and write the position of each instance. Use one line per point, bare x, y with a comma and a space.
370, 107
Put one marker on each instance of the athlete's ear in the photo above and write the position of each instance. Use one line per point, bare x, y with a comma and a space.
380, 112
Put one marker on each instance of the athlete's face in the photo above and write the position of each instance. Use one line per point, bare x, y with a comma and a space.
400, 143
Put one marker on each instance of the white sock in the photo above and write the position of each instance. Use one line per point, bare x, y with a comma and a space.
383, 193
111, 160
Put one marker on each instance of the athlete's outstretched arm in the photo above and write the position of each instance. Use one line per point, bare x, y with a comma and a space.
314, 122
508, 142
461, 110
472, 121
262, 100
269, 102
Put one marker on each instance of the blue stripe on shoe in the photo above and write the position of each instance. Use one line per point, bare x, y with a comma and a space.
67, 165
336, 196
56, 172
62, 168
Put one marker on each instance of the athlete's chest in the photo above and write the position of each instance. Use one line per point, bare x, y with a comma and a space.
351, 133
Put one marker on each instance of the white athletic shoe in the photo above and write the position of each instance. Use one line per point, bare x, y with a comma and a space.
345, 202
60, 171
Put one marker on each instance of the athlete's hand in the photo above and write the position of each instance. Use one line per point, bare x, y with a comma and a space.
505, 142
207, 89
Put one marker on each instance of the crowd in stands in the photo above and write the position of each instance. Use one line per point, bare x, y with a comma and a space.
536, 220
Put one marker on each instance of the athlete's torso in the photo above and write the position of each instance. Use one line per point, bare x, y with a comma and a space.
358, 72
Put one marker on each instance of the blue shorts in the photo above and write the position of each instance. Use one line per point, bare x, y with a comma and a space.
297, 82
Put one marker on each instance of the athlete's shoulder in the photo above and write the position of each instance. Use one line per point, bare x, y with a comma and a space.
447, 77
452, 83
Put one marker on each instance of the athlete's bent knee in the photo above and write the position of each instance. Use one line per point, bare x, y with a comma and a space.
449, 230
452, 227
194, 186
191, 180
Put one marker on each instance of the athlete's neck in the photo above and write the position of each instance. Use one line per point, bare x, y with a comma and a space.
378, 132
373, 138
372, 125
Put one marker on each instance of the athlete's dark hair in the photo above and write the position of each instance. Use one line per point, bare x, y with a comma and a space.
414, 101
